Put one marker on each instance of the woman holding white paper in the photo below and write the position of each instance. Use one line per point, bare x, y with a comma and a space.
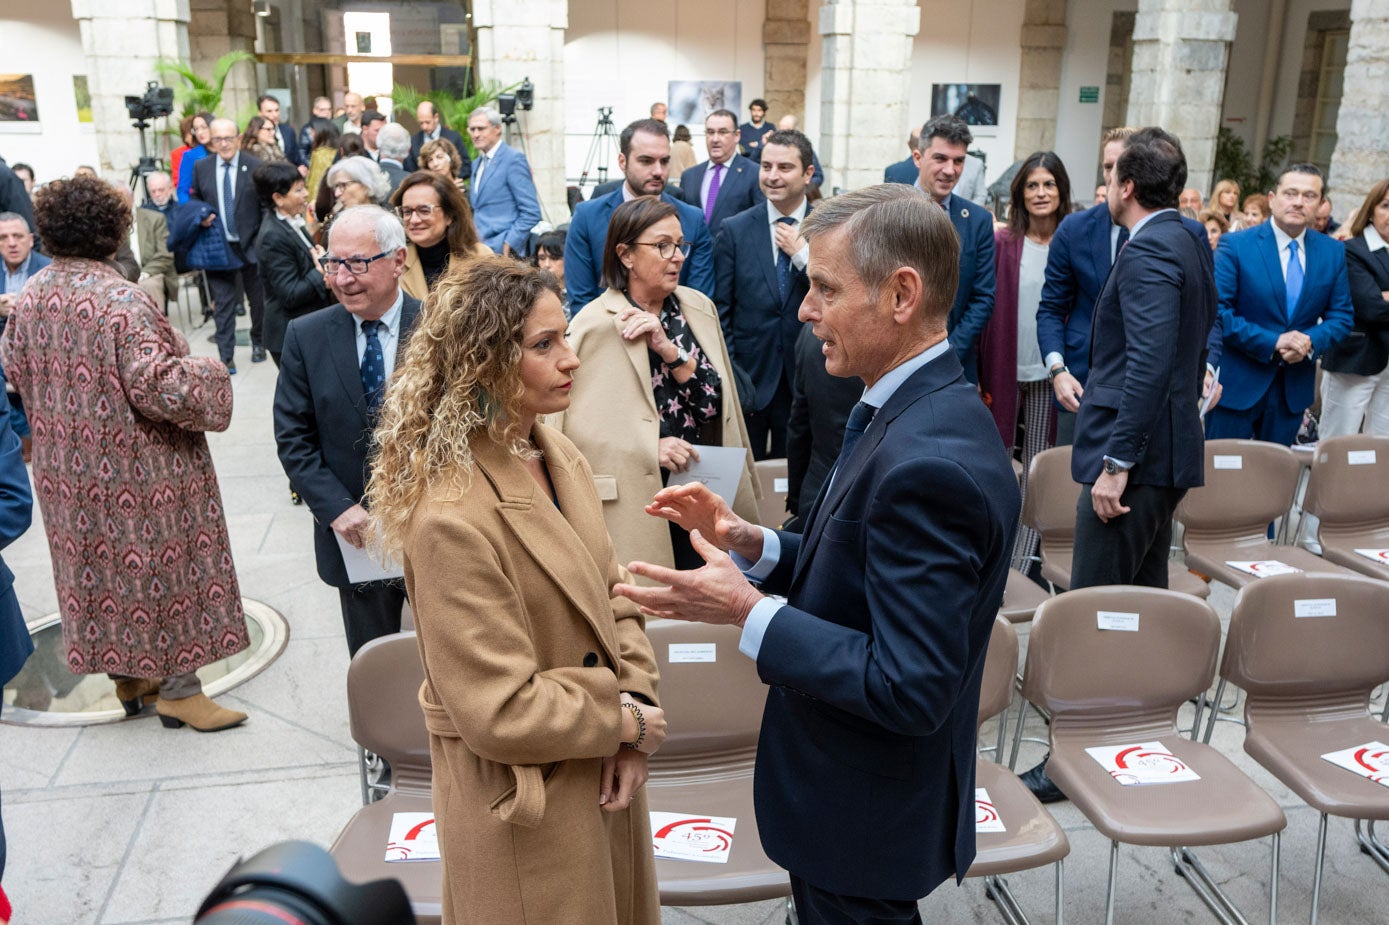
540, 684
657, 383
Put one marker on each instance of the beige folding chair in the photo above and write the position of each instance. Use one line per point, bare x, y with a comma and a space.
1249, 484
1021, 598
1050, 509
1116, 686
383, 685
713, 702
771, 475
1308, 650
1033, 837
1349, 492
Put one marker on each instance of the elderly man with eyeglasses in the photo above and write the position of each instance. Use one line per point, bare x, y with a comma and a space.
224, 183
333, 373
726, 184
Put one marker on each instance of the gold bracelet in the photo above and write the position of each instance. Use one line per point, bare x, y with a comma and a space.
641, 725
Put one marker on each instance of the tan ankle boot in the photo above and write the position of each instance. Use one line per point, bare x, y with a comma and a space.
135, 693
199, 712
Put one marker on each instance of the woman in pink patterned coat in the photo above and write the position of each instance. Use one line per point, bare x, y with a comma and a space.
141, 561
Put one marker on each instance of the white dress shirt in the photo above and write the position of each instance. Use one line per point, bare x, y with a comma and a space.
800, 258
709, 178
1282, 238
388, 334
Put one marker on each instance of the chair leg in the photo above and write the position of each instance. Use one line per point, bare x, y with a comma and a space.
1190, 869
1113, 879
1371, 845
1321, 860
1002, 735
1273, 880
362, 774
1017, 736
1196, 720
1060, 889
1215, 711
791, 917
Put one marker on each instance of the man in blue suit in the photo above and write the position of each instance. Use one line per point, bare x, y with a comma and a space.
288, 137
759, 283
864, 783
504, 201
1082, 251
905, 171
726, 184
1284, 299
16, 508
644, 159
940, 159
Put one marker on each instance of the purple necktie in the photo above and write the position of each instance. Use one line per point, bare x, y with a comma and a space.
713, 194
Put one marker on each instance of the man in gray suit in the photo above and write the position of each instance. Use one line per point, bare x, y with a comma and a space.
393, 144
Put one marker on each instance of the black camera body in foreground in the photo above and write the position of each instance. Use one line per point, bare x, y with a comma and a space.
297, 881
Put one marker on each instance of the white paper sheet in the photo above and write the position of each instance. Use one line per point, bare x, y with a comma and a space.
1143, 763
1370, 760
1375, 555
1262, 568
986, 818
363, 564
1210, 396
691, 837
719, 467
413, 838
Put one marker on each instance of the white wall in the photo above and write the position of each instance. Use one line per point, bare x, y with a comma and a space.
43, 39
1085, 63
621, 53
975, 42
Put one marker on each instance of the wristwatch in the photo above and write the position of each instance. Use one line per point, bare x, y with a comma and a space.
1056, 371
1113, 468
682, 356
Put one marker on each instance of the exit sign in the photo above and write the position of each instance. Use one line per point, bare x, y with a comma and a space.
1089, 94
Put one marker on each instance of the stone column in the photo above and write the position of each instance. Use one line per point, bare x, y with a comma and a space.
785, 39
1180, 50
122, 40
1361, 158
1039, 82
216, 27
525, 38
865, 79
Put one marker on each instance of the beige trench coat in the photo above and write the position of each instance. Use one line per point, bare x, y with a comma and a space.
612, 419
525, 654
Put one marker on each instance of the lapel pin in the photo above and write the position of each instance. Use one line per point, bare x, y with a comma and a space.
964, 213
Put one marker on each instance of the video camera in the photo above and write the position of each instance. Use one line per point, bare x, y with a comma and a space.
155, 104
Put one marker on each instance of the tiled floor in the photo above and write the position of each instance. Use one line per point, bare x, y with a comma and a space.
132, 823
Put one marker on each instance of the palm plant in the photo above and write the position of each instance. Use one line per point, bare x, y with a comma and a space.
455, 109
198, 93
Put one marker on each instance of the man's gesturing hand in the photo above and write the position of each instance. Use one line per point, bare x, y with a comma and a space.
694, 507
715, 593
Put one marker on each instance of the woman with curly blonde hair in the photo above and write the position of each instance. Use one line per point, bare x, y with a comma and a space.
539, 681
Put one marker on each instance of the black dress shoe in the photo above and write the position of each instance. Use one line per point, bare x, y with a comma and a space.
1042, 787
257, 353
241, 310
231, 367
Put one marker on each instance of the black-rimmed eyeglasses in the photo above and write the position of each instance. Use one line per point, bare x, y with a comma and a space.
667, 249
355, 265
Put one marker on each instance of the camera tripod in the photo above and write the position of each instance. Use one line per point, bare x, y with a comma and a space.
598, 151
147, 165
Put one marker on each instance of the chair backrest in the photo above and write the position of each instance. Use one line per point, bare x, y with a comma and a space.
1000, 668
1248, 484
711, 693
1308, 634
1050, 505
383, 707
1158, 652
1349, 483
771, 476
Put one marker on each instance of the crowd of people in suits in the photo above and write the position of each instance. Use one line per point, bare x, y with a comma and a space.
879, 340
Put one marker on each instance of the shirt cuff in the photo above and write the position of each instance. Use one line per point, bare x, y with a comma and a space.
755, 626
801, 258
1126, 466
1054, 359
771, 555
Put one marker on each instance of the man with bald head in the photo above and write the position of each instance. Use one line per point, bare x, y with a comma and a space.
224, 183
350, 122
1190, 199
432, 128
162, 199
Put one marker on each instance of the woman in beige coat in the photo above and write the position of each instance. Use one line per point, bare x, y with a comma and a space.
657, 383
540, 684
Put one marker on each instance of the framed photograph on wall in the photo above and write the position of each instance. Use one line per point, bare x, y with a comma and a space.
977, 104
82, 95
690, 101
19, 109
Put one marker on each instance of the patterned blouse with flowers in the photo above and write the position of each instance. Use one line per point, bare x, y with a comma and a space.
685, 407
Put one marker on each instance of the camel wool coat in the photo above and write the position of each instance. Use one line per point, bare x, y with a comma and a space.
612, 419
526, 651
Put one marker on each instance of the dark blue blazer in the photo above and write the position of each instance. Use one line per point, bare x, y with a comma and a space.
588, 232
322, 427
1147, 360
759, 326
1077, 266
246, 207
738, 191
289, 143
16, 509
417, 141
865, 768
974, 296
903, 172
1253, 313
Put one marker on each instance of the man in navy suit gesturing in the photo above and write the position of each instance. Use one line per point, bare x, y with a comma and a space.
726, 184
875, 662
